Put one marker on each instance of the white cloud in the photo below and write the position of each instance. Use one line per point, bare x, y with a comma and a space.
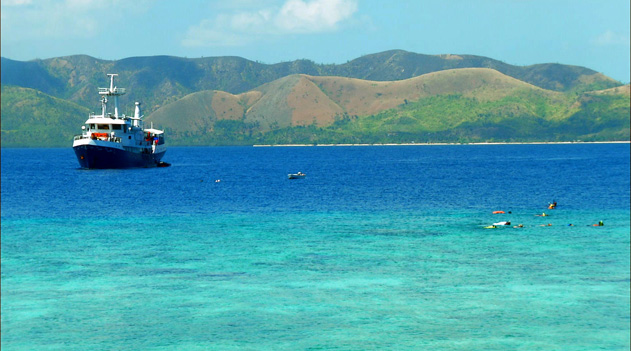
16, 2
315, 16
216, 32
68, 19
294, 16
611, 38
250, 22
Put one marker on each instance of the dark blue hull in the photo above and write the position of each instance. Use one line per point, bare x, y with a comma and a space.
92, 156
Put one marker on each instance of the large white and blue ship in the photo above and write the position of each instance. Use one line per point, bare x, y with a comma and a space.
113, 140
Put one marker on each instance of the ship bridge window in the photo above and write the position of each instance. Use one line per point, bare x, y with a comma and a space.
103, 126
116, 126
92, 126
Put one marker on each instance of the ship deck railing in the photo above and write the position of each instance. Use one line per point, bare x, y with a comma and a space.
114, 139
109, 138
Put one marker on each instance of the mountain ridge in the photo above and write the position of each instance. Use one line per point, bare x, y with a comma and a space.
296, 101
151, 78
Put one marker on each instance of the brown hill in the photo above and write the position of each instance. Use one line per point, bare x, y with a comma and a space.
361, 97
301, 100
199, 111
310, 105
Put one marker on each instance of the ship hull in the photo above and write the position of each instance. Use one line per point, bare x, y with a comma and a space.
103, 157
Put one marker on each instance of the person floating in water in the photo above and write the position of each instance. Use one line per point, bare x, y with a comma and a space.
552, 206
543, 215
599, 224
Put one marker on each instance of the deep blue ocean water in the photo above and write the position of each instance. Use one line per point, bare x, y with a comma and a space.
378, 248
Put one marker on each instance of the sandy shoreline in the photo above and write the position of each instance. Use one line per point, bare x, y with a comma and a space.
430, 144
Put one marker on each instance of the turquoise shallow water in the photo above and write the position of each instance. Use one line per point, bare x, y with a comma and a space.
311, 264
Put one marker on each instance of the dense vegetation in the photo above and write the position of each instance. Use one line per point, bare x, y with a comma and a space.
31, 118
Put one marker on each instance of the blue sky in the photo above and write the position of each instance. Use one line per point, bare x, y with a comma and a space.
589, 33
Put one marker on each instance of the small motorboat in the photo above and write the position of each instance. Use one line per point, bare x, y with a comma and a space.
298, 175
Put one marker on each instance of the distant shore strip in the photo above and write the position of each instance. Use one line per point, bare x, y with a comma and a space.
429, 144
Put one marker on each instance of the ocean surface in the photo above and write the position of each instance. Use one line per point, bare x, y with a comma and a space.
378, 248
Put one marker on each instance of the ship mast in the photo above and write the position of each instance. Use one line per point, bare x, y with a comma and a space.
111, 91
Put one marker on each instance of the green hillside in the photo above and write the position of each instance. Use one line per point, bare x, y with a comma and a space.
31, 118
602, 116
516, 118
